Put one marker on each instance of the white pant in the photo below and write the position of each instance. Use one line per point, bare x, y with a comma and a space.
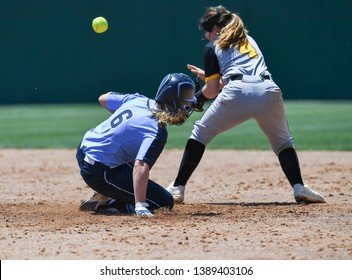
241, 100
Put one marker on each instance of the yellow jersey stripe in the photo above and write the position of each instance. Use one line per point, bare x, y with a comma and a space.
212, 77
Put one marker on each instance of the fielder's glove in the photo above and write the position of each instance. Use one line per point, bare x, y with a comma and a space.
198, 107
142, 210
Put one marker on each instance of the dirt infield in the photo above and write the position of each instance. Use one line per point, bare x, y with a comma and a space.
238, 206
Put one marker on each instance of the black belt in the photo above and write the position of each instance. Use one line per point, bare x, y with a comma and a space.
240, 76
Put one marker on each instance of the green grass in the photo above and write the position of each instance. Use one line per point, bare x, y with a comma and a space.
47, 126
315, 125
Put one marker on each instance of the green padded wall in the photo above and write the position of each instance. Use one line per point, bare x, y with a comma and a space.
50, 54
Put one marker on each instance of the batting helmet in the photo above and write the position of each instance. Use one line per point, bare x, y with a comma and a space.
177, 91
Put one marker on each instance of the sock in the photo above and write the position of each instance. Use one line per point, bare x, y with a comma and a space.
290, 165
192, 155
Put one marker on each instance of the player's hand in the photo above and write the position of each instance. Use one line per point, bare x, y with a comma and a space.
197, 71
142, 210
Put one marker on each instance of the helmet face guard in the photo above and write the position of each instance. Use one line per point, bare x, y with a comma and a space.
177, 92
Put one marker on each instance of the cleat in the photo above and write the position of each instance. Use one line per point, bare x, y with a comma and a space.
177, 192
93, 203
110, 207
304, 194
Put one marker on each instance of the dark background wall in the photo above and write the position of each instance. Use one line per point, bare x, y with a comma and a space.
49, 52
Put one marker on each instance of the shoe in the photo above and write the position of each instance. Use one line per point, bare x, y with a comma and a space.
142, 210
93, 203
177, 192
304, 194
110, 207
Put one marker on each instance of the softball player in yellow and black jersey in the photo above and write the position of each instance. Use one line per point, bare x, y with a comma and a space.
235, 74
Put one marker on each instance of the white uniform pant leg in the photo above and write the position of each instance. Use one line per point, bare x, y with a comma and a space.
240, 101
228, 110
271, 118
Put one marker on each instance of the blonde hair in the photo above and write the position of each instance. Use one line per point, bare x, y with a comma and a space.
233, 34
166, 115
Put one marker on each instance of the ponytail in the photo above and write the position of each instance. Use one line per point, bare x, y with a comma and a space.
233, 34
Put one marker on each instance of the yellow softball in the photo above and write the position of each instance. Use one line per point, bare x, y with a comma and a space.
100, 24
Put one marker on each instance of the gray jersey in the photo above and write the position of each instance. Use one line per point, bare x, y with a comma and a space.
246, 59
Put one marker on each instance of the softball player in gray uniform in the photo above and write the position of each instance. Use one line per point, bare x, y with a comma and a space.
115, 157
235, 67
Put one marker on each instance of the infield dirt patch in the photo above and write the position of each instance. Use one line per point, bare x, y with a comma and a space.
238, 206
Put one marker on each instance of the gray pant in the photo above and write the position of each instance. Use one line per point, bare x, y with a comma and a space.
241, 100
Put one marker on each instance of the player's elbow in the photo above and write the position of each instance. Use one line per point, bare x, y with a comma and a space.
103, 99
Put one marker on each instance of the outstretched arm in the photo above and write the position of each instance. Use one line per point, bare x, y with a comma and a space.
212, 87
140, 184
140, 180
